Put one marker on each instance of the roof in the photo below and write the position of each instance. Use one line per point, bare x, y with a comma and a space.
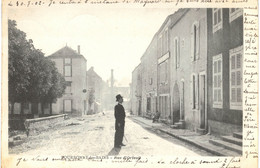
175, 17
92, 72
66, 52
136, 67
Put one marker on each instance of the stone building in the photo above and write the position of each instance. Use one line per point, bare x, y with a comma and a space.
199, 70
163, 69
188, 69
149, 79
224, 69
95, 86
73, 66
136, 91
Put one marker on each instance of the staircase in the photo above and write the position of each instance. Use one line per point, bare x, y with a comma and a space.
232, 143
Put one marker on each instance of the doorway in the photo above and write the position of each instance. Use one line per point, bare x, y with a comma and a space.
67, 108
202, 99
176, 104
139, 107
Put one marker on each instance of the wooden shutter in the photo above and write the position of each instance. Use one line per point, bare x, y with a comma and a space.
197, 40
192, 43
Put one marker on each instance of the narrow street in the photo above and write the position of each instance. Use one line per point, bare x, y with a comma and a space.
94, 135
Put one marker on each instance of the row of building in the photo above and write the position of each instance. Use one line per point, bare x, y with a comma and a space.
85, 93
191, 72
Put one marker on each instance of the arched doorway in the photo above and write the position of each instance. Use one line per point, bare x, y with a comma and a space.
176, 104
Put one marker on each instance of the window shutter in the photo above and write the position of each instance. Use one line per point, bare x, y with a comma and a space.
178, 52
192, 43
191, 91
197, 40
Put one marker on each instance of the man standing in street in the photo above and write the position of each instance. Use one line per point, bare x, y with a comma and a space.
120, 122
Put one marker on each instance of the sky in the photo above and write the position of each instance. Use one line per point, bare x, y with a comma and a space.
109, 38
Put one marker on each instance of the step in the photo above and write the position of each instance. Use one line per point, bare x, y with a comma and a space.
233, 140
238, 135
201, 131
227, 145
174, 126
180, 125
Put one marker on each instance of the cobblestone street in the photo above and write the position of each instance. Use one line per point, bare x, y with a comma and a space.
94, 135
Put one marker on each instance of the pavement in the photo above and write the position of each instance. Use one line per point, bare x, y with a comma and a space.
191, 137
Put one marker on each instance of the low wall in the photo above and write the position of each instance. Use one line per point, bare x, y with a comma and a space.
37, 125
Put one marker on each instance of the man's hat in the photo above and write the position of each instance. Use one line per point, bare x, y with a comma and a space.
118, 97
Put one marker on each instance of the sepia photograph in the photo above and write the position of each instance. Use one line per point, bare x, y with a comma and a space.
123, 85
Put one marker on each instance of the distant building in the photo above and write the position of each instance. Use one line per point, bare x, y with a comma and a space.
73, 66
95, 86
136, 91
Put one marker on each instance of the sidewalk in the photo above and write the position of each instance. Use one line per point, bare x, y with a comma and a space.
200, 141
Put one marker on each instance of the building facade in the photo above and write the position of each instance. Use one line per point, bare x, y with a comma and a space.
149, 79
163, 69
199, 70
224, 69
188, 69
136, 91
95, 92
73, 66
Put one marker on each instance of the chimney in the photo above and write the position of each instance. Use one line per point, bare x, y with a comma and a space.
78, 49
112, 78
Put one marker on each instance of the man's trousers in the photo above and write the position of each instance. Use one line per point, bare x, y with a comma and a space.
119, 134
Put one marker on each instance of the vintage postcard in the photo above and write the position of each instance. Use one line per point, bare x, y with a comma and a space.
130, 83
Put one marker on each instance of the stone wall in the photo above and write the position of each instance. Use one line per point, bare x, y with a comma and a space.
37, 125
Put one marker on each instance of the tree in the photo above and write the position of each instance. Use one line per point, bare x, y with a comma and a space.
18, 66
40, 78
58, 86
32, 77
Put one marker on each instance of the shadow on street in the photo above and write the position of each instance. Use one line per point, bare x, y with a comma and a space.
114, 151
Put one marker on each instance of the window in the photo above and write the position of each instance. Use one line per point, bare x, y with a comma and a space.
195, 41
166, 72
177, 52
160, 46
67, 70
234, 13
217, 19
68, 87
217, 81
67, 106
163, 70
67, 67
67, 60
163, 43
235, 56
